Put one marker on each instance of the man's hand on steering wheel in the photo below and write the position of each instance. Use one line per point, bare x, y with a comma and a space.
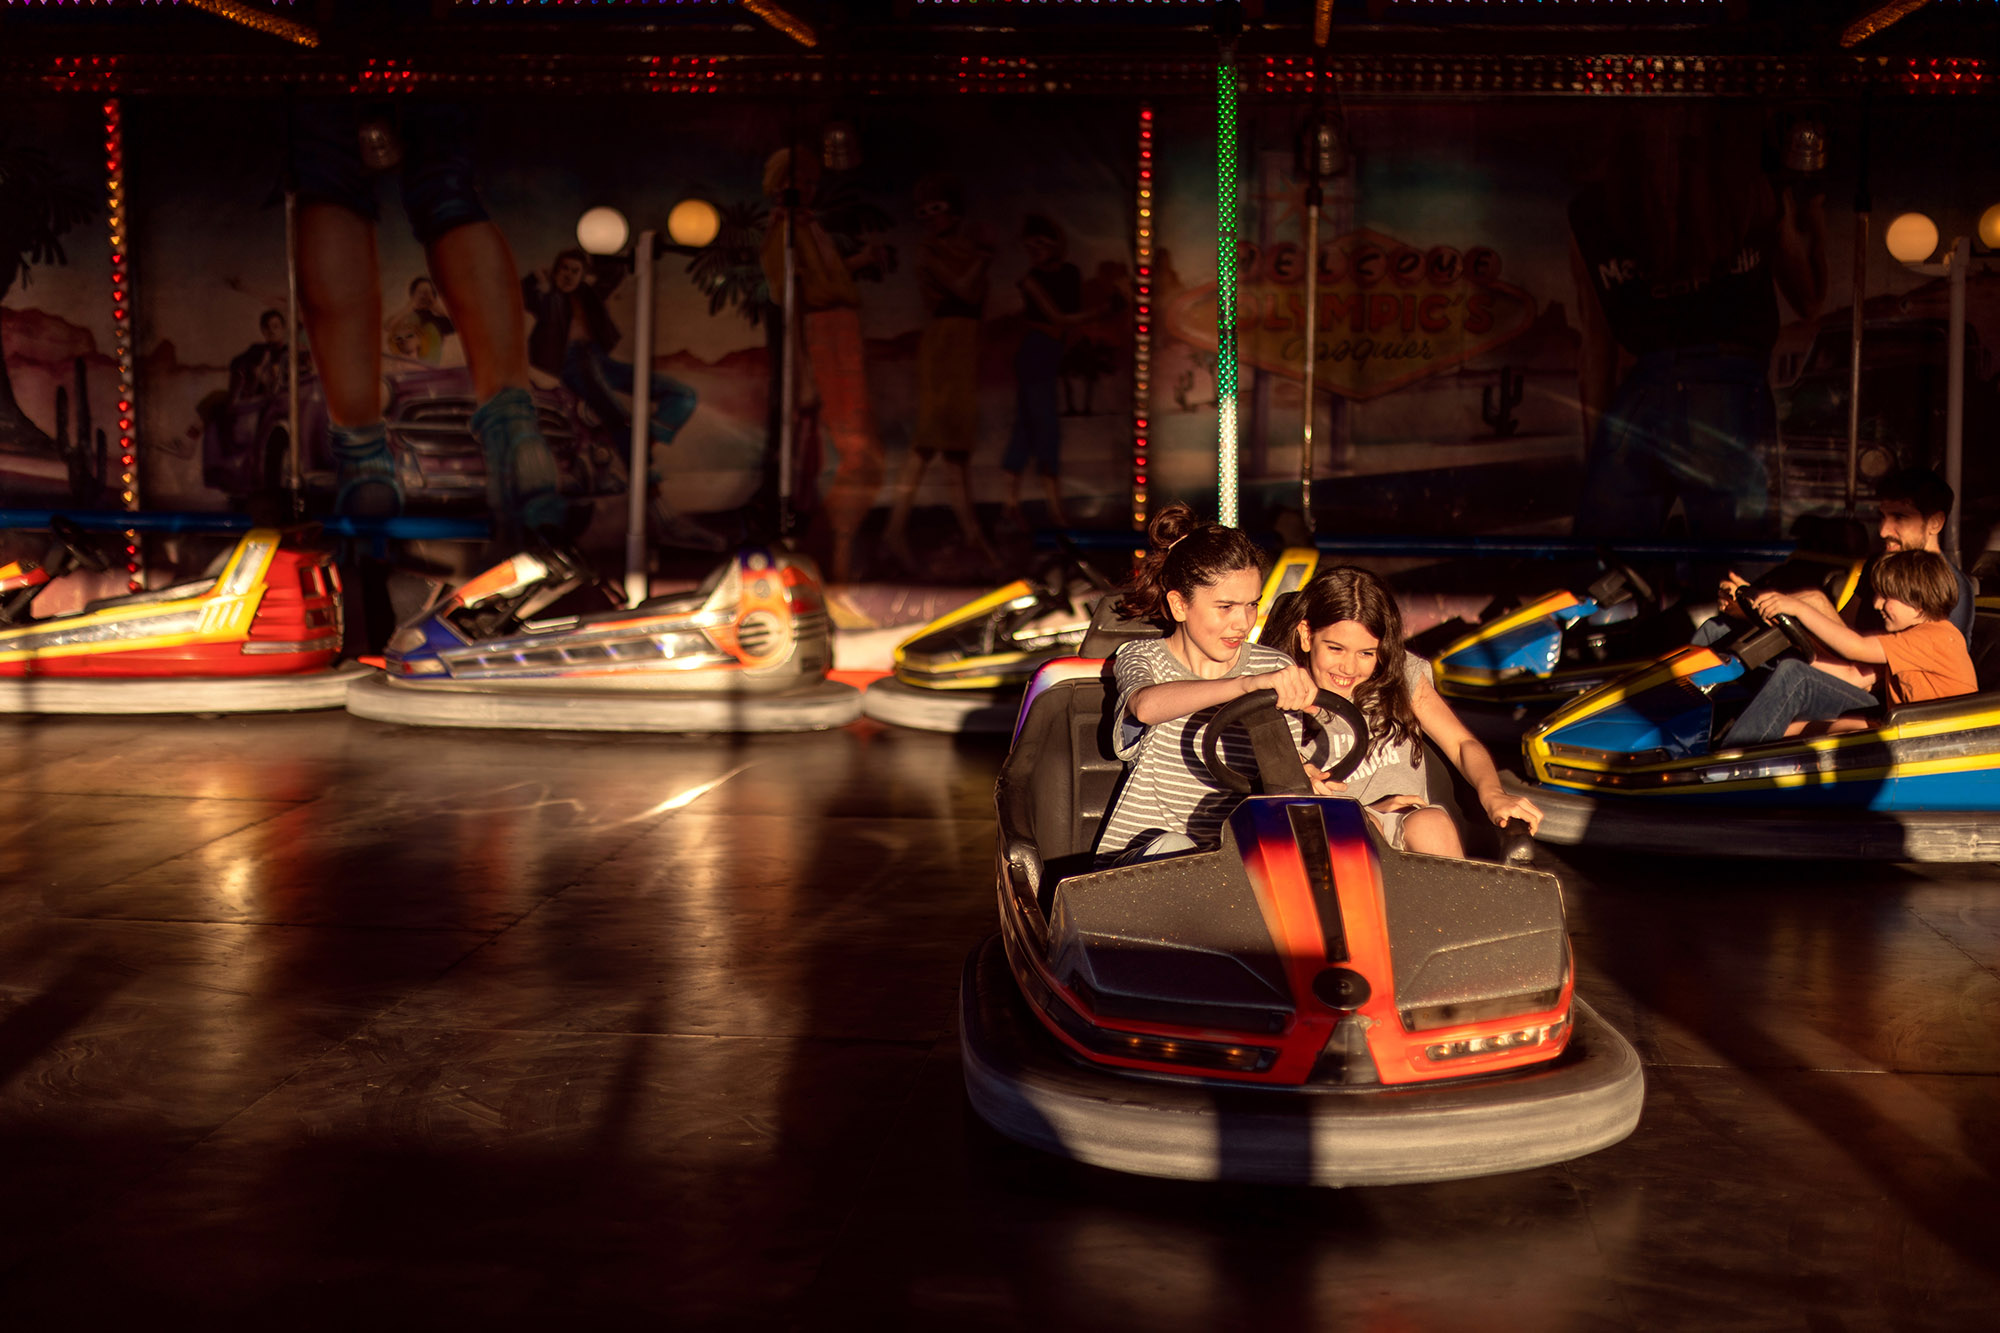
1725, 593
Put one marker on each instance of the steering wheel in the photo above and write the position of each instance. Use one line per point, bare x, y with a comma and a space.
1633, 580
553, 548
1271, 739
71, 541
1789, 626
1623, 574
1073, 559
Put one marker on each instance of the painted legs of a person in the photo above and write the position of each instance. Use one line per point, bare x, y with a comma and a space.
469, 259
834, 348
947, 424
897, 537
1037, 433
474, 269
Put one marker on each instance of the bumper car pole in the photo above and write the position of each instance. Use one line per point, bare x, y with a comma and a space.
1910, 238
1312, 296
1863, 206
637, 469
1958, 260
1321, 153
789, 342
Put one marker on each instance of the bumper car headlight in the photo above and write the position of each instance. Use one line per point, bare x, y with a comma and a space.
1499, 1042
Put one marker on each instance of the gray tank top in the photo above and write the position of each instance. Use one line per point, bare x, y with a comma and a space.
1390, 770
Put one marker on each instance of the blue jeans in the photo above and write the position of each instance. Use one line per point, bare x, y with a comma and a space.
1797, 689
593, 376
1715, 629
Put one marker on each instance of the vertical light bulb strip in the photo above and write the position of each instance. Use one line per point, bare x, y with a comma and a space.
1225, 289
1142, 323
121, 332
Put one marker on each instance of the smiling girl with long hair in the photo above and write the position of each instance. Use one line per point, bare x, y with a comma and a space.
1347, 631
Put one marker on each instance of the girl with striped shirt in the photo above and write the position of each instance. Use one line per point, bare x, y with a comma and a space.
1203, 580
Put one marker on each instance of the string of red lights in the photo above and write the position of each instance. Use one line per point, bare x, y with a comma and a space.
121, 329
1142, 320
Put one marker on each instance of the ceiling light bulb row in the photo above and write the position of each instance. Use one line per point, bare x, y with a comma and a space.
258, 20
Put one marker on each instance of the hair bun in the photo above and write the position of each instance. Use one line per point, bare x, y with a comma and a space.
1171, 524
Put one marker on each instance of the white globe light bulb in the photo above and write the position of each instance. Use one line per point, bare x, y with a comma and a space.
602, 231
694, 222
1912, 238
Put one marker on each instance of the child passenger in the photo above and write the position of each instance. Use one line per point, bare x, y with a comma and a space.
1204, 580
1347, 629
1923, 656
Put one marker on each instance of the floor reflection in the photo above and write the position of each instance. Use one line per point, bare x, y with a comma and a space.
316, 1020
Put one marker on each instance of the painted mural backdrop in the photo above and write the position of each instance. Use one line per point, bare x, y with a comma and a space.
58, 378
967, 317
1452, 330
954, 240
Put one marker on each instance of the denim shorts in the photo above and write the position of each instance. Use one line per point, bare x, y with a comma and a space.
436, 170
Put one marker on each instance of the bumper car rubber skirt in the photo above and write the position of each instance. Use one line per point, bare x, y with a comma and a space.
968, 712
815, 707
1676, 826
140, 695
1027, 1086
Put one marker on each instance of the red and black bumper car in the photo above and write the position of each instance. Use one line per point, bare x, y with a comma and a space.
1302, 1005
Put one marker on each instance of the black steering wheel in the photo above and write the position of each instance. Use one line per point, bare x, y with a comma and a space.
1072, 559
1271, 740
70, 540
554, 549
1789, 626
1633, 579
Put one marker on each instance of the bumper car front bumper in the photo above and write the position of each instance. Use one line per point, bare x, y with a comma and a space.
1023, 1083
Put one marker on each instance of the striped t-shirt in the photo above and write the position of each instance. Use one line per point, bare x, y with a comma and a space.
1167, 788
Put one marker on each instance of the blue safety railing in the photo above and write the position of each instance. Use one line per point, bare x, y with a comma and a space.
1544, 548
377, 533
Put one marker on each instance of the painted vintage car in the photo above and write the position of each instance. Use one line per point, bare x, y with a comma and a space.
440, 465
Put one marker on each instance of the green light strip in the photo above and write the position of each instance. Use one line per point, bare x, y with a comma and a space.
1225, 290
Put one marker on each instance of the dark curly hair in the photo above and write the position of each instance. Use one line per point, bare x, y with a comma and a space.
1186, 554
1346, 592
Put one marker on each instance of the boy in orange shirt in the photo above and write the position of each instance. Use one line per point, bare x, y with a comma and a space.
1923, 656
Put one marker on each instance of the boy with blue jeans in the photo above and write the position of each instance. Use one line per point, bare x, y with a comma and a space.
1922, 656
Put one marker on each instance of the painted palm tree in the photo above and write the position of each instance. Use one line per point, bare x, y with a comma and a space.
37, 206
727, 270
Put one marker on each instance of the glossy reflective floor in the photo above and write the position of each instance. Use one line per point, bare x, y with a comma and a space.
314, 1022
